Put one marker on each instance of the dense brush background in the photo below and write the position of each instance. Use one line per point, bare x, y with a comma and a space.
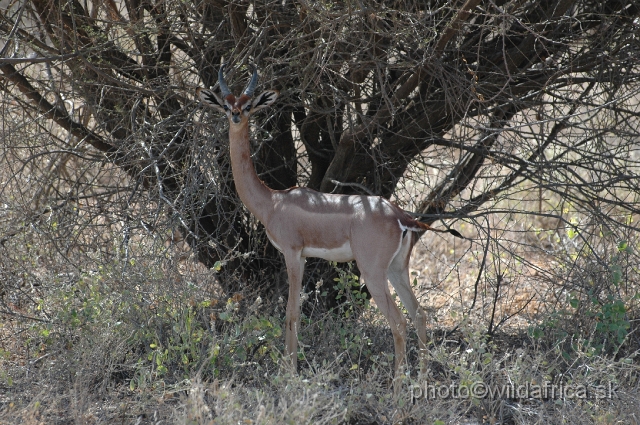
135, 287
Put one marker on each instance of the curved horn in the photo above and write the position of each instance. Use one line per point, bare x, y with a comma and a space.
224, 89
253, 83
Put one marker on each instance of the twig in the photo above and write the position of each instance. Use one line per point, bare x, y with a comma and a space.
13, 31
38, 59
356, 185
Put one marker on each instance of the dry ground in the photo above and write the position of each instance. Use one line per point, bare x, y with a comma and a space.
156, 345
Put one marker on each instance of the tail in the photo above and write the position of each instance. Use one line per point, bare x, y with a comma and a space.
407, 222
425, 227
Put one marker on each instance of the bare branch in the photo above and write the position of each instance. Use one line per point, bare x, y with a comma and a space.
38, 59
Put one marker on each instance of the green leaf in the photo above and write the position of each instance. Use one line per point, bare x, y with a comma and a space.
616, 274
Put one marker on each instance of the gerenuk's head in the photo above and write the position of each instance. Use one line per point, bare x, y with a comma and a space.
238, 109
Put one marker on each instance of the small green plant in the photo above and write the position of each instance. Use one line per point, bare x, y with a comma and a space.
592, 321
603, 325
349, 291
189, 346
612, 324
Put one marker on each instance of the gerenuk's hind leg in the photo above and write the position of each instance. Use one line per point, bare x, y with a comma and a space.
376, 281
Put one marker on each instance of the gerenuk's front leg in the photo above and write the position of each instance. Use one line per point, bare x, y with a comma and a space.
295, 270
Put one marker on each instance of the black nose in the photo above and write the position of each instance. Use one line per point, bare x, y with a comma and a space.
235, 118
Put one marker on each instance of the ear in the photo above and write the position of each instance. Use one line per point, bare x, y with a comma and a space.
264, 99
210, 99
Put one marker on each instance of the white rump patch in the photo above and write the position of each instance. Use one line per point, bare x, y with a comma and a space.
411, 229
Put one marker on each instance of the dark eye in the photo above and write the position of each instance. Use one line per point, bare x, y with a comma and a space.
226, 108
248, 108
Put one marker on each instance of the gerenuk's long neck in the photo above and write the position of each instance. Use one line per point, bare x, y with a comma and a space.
254, 194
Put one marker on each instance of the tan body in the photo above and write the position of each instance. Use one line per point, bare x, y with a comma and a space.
301, 222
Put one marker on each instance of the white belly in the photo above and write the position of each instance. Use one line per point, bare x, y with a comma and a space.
340, 254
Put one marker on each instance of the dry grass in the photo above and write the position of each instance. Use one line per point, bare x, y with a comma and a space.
90, 333
159, 347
